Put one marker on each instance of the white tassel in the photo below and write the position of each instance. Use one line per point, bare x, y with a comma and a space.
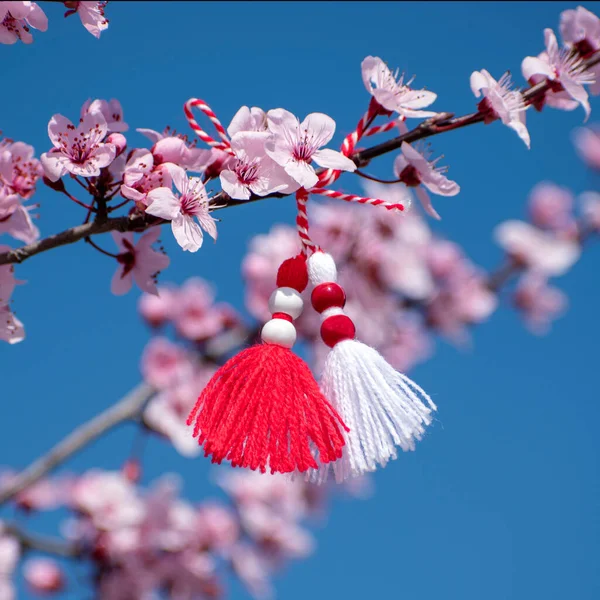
382, 408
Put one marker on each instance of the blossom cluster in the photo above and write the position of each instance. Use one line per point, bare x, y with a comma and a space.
144, 540
17, 19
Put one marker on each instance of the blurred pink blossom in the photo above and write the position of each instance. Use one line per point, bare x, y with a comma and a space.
108, 499
182, 209
407, 343
538, 250
196, 316
415, 170
158, 309
500, 101
111, 110
259, 267
253, 571
296, 145
551, 206
538, 302
137, 261
91, 15
10, 552
278, 538
590, 208
164, 363
392, 93
166, 412
77, 150
587, 144
216, 527
43, 575
17, 17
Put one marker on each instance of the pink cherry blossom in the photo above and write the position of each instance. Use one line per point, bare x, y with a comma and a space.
45, 494
539, 250
278, 537
15, 219
590, 209
463, 300
142, 175
253, 571
216, 527
551, 206
138, 262
295, 145
77, 150
91, 15
11, 329
538, 302
564, 70
253, 172
166, 413
10, 552
197, 317
108, 499
500, 101
580, 29
192, 202
111, 110
587, 144
17, 17
392, 93
19, 170
173, 149
248, 119
43, 575
158, 309
164, 363
407, 343
415, 170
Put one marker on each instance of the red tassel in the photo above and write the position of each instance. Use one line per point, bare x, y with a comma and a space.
263, 408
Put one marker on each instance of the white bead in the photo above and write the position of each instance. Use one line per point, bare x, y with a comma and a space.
280, 332
286, 300
321, 268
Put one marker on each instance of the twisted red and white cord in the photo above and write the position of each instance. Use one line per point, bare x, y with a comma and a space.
225, 144
358, 199
349, 144
302, 222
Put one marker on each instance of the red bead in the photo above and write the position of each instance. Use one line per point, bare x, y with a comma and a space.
336, 328
327, 295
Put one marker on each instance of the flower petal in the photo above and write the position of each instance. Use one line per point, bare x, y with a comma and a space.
332, 159
187, 233
302, 173
163, 203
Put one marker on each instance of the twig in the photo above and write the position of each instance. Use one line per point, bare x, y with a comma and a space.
40, 543
434, 126
126, 409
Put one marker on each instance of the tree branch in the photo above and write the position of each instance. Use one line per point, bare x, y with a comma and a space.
126, 409
40, 543
434, 126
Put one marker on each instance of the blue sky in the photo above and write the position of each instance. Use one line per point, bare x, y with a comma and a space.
501, 499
